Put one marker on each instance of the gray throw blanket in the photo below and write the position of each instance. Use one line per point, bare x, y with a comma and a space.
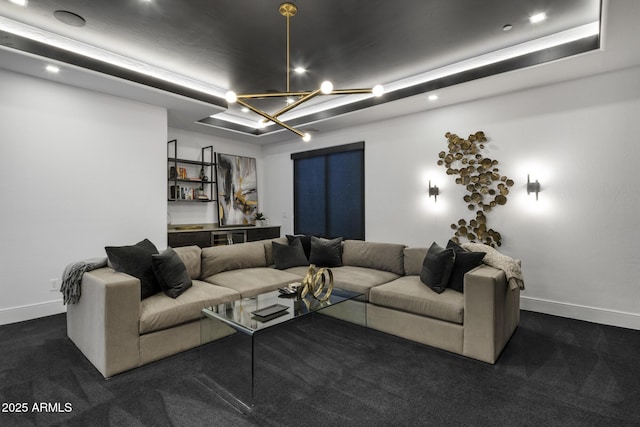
510, 266
72, 277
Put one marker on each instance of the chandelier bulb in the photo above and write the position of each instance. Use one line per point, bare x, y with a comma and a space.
231, 97
326, 87
306, 137
378, 90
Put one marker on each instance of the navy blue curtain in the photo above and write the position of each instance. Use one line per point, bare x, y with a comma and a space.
329, 192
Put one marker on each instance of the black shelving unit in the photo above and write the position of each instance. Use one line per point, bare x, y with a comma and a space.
183, 188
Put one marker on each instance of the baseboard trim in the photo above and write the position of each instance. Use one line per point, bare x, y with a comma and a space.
31, 311
581, 312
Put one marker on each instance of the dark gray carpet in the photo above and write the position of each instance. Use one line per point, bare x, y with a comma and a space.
554, 371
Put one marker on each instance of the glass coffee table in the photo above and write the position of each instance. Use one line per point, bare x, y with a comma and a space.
250, 316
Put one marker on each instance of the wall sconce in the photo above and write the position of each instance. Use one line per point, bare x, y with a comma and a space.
533, 187
433, 191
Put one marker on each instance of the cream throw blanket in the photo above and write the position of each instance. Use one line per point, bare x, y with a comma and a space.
510, 266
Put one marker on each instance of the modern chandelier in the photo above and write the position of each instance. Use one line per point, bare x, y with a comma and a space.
295, 98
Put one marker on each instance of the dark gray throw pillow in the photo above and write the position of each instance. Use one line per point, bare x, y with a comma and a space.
437, 267
135, 260
171, 273
465, 262
305, 239
287, 256
326, 253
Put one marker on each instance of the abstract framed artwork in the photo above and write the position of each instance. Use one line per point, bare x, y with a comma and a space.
237, 190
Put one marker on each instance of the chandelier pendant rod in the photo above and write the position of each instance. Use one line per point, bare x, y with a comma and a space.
288, 50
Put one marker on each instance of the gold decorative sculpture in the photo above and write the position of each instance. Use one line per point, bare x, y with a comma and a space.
315, 282
483, 181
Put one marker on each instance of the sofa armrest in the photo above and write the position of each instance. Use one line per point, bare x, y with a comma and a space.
104, 322
491, 313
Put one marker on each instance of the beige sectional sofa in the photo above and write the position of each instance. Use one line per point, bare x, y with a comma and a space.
118, 332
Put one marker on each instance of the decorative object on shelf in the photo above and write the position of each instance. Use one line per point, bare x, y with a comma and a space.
481, 177
259, 219
533, 187
315, 283
237, 190
434, 191
295, 98
203, 177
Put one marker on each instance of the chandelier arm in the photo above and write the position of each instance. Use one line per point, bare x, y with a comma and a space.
272, 95
296, 103
350, 91
271, 118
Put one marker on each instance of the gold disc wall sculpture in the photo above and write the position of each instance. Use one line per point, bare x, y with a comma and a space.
481, 177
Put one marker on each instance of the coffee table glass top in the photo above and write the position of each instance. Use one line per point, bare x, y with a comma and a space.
268, 309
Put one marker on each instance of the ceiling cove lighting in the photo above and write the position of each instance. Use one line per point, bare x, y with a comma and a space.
89, 51
288, 10
22, 3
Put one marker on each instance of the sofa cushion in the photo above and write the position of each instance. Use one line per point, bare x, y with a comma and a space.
253, 281
351, 278
287, 256
409, 294
465, 262
232, 257
161, 312
135, 260
191, 256
171, 273
437, 267
413, 259
326, 253
380, 256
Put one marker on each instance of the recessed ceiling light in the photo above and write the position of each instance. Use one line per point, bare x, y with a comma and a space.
19, 2
538, 17
245, 110
507, 27
52, 69
300, 70
70, 18
433, 97
290, 100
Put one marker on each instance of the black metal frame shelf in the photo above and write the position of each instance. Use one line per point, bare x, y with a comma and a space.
200, 184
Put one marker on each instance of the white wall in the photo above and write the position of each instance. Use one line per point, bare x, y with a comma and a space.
79, 170
189, 147
579, 243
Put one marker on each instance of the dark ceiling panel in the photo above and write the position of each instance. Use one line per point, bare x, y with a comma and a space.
241, 44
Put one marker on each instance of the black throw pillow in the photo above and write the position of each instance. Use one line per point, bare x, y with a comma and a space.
304, 239
135, 260
171, 272
437, 267
326, 253
465, 261
287, 256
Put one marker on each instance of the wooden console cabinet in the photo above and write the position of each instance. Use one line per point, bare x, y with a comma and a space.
211, 235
